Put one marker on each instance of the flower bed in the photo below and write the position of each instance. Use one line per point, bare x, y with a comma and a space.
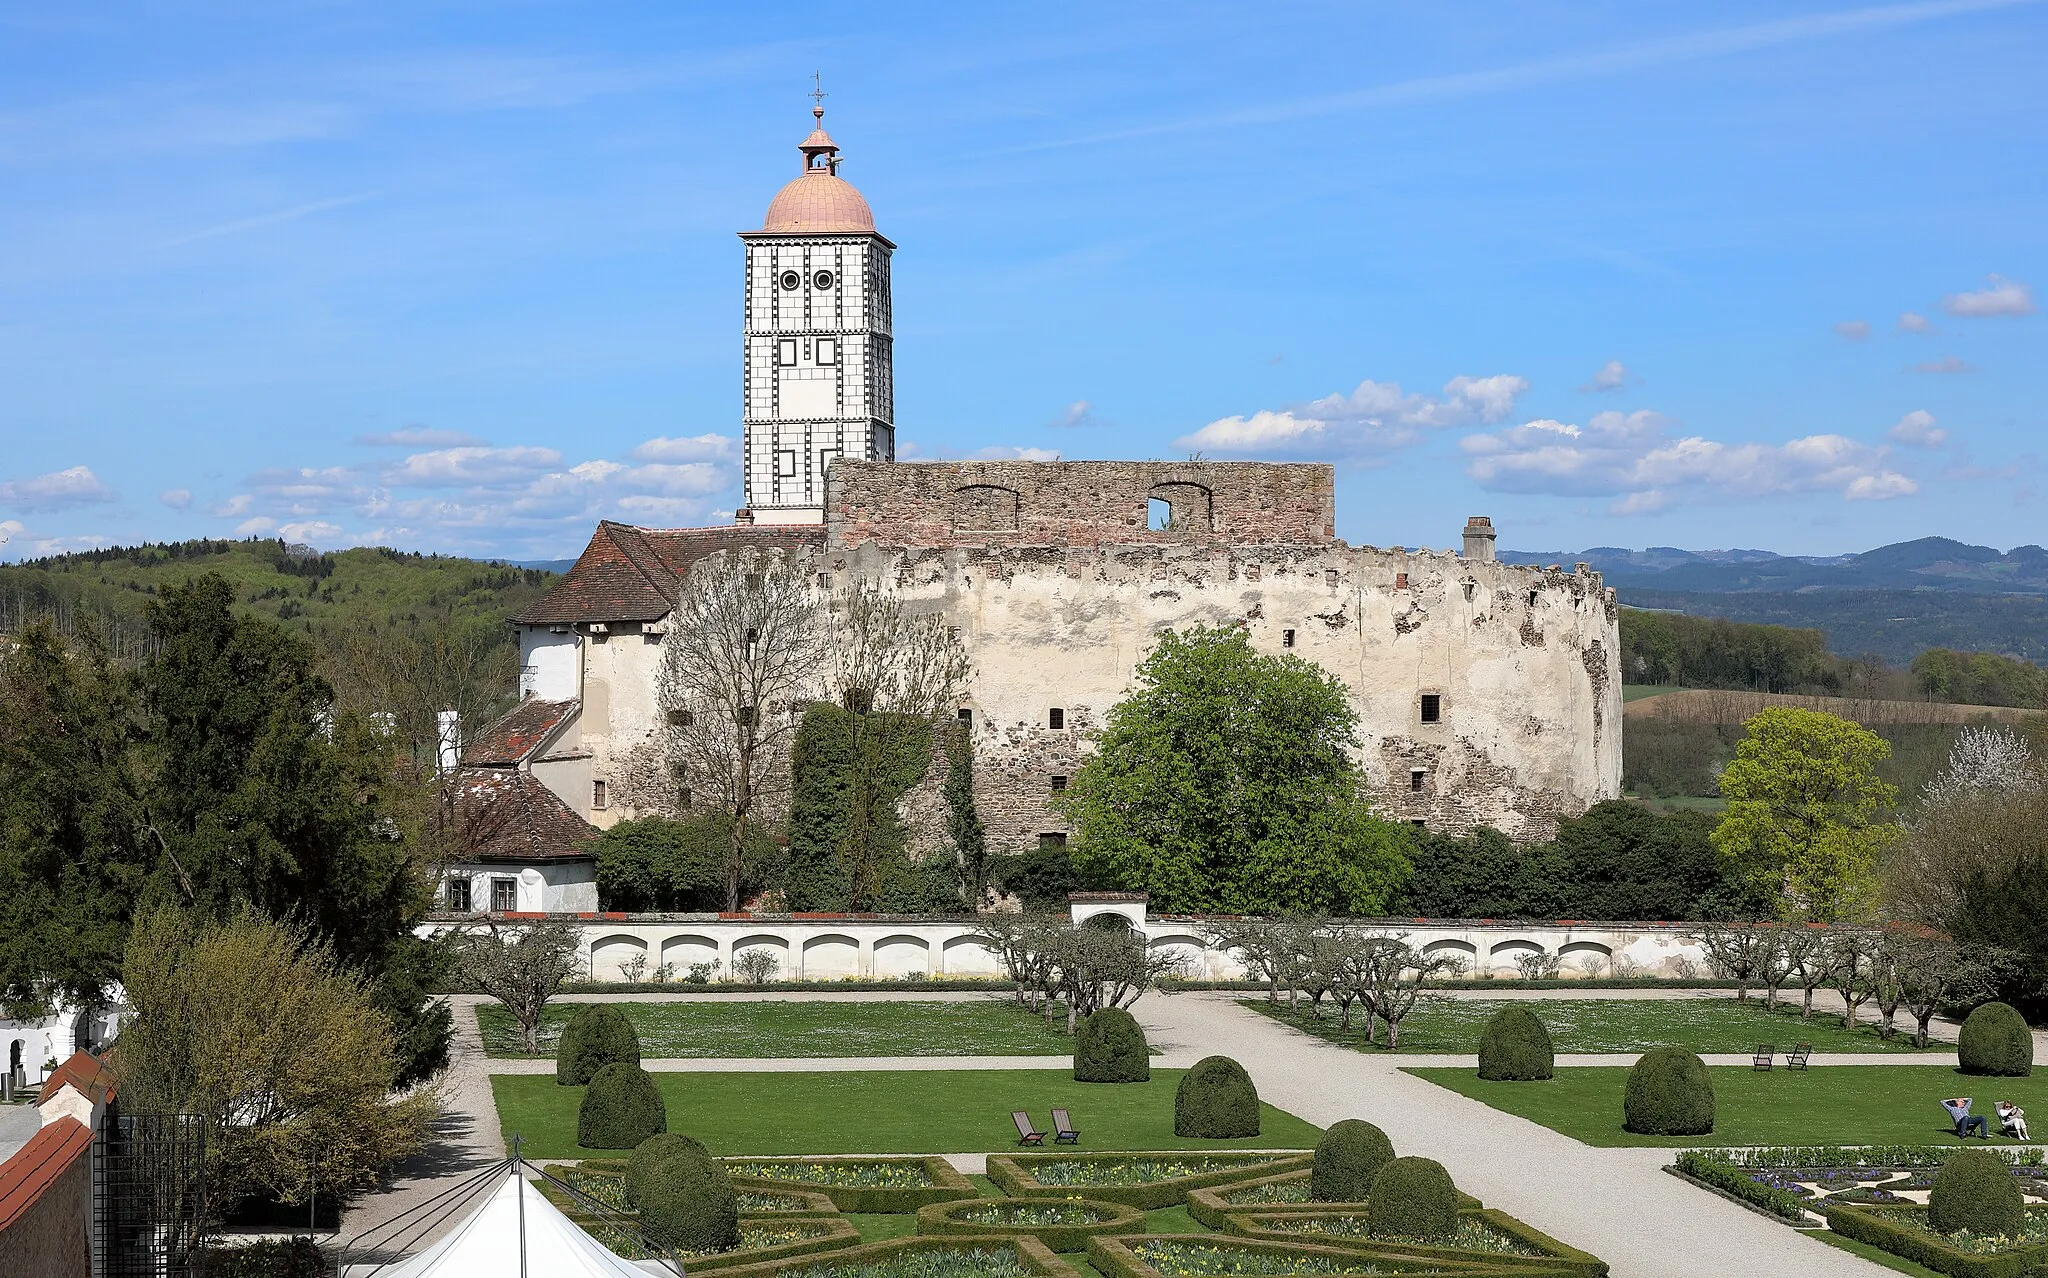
1485, 1236
856, 1184
962, 1257
1741, 1184
762, 1238
1212, 1207
1816, 1157
1211, 1256
1143, 1180
1903, 1231
1062, 1224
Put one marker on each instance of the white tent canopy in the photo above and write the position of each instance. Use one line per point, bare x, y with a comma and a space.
487, 1244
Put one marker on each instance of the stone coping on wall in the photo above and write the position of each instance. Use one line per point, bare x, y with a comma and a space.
743, 916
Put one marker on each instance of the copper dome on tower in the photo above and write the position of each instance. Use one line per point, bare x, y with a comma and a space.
820, 200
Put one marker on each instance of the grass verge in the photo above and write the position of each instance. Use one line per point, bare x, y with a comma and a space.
992, 1027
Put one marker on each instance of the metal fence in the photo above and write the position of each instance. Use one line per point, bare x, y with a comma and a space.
149, 1195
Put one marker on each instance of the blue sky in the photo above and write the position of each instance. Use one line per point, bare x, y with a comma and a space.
463, 277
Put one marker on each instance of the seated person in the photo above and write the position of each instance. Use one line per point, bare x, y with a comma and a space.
1966, 1122
2012, 1120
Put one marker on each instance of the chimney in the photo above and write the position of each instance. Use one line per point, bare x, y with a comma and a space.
743, 516
448, 730
1479, 538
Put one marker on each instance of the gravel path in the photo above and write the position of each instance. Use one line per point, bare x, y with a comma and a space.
1615, 1203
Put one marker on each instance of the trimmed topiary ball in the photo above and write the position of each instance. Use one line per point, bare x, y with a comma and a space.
1110, 1047
597, 1036
1975, 1191
1996, 1041
621, 1108
1515, 1046
683, 1195
1216, 1101
1348, 1158
1413, 1198
1669, 1094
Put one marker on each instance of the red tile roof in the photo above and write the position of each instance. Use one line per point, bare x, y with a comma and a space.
502, 814
84, 1071
36, 1165
518, 734
628, 573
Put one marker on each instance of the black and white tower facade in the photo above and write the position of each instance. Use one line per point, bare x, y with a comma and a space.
818, 347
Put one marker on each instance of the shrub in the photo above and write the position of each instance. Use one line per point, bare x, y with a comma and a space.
597, 1036
1515, 1046
263, 1258
1110, 1047
683, 1195
1996, 1041
1348, 1157
1216, 1101
1413, 1198
1975, 1191
1669, 1094
621, 1108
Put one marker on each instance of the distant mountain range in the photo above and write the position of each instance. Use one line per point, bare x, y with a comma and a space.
1892, 602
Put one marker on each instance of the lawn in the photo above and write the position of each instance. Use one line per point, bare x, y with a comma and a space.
752, 1028
1827, 1105
1611, 1025
883, 1112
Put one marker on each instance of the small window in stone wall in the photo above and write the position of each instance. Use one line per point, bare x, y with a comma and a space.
966, 718
1058, 782
1419, 823
985, 508
1052, 841
1415, 778
1432, 707
598, 794
504, 895
1287, 638
1056, 718
455, 894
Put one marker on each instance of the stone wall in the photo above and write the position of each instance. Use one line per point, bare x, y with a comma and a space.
943, 504
46, 1204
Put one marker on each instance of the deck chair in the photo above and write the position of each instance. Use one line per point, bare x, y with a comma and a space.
1026, 1133
1765, 1054
1796, 1058
1063, 1132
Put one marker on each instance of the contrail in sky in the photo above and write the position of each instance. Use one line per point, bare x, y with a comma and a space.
271, 219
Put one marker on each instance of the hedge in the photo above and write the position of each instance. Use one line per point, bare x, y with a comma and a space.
1995, 1041
1216, 1101
1734, 1181
1669, 1094
597, 1036
942, 1183
621, 1107
1900, 1156
835, 1235
1350, 1154
263, 1258
825, 1231
1975, 1191
1113, 1258
1865, 1225
649, 1154
1266, 1226
942, 1219
1212, 1207
684, 1199
1515, 1047
1414, 1199
1036, 1258
1012, 1174
1110, 1047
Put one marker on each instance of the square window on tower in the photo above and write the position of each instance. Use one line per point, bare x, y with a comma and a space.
828, 351
785, 463
785, 352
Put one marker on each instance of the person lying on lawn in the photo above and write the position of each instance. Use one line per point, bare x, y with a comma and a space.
2012, 1120
1966, 1122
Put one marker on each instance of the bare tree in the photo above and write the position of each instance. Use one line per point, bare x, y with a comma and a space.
1023, 944
1395, 973
1258, 943
1987, 811
1935, 972
885, 661
521, 965
1853, 955
1737, 950
1809, 959
744, 646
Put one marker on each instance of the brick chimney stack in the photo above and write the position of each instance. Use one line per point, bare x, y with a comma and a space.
1479, 538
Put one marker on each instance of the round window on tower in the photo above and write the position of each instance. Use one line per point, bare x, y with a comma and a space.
823, 279
792, 279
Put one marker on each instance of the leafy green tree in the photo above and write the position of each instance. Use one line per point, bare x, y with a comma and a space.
662, 863
963, 821
848, 847
1224, 783
1806, 812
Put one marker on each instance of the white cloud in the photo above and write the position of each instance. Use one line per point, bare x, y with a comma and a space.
1376, 418
10, 529
1005, 452
2001, 297
1917, 430
58, 490
1637, 460
311, 532
462, 467
1854, 330
176, 498
1078, 413
1912, 323
1613, 375
257, 527
1946, 364
418, 437
694, 448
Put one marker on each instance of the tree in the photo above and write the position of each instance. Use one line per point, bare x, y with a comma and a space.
663, 863
1806, 811
522, 966
743, 645
963, 821
257, 1028
1738, 951
1224, 784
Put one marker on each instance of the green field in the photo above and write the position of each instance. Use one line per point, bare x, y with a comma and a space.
1453, 1026
757, 1029
1827, 1105
882, 1112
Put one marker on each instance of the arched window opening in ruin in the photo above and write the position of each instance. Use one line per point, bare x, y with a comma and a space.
1188, 509
1158, 514
985, 508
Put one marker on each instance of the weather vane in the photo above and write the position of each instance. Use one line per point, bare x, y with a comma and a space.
818, 89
